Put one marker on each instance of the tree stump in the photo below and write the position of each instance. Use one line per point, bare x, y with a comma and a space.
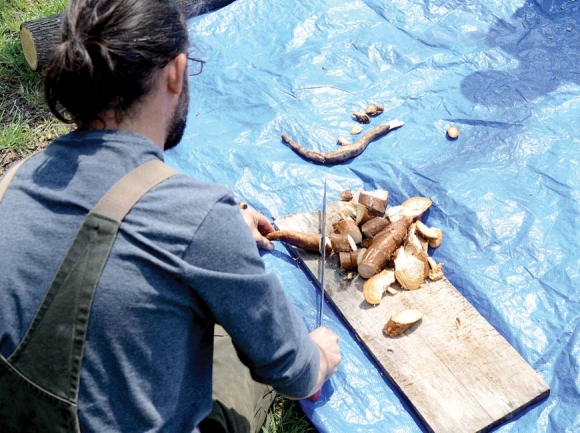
39, 37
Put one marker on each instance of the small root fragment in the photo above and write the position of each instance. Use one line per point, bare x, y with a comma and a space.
356, 129
435, 270
374, 110
453, 132
346, 195
361, 117
401, 321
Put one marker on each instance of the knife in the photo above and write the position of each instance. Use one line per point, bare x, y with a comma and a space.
321, 268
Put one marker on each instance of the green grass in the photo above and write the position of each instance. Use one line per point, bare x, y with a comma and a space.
26, 125
287, 416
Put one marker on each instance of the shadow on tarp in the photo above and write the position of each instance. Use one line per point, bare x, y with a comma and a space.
544, 36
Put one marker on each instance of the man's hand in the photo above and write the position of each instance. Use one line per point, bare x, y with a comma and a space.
259, 226
330, 357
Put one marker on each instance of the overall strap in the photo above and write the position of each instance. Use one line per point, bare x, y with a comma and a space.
5, 181
50, 355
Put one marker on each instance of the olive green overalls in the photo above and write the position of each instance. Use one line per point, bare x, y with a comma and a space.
39, 382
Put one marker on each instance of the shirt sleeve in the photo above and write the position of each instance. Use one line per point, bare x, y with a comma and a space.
269, 333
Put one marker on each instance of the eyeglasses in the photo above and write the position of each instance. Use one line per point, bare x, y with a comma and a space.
194, 65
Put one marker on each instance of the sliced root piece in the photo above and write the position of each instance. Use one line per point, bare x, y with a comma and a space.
374, 226
374, 287
349, 227
375, 201
306, 241
350, 260
348, 210
433, 234
413, 207
411, 268
415, 239
401, 321
383, 247
342, 242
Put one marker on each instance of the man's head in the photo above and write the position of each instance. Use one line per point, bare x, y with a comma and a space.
110, 56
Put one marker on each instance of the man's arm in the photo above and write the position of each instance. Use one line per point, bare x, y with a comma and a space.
252, 306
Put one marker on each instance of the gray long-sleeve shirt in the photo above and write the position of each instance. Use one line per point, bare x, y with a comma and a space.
183, 259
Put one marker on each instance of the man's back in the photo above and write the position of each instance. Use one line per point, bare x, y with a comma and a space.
175, 264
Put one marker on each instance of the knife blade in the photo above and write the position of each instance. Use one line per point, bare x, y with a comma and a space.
321, 268
322, 263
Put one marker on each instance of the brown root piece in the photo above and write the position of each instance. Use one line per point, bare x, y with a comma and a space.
374, 226
345, 152
383, 247
401, 321
350, 260
343, 141
346, 195
375, 287
411, 268
342, 242
366, 242
349, 227
306, 241
361, 117
362, 214
375, 201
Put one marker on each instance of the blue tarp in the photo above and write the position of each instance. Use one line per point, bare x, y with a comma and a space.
506, 193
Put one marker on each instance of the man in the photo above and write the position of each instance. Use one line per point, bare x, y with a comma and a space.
178, 260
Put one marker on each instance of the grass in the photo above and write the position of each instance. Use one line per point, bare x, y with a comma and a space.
287, 416
26, 126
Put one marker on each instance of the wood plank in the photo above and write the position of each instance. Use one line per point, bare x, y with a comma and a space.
456, 371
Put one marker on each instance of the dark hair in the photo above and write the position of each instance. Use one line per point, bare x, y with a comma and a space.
109, 54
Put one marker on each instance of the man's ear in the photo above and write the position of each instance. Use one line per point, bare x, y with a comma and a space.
176, 73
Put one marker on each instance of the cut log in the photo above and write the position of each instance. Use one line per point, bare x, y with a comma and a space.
38, 38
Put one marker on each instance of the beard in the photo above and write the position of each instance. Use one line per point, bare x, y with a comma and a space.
179, 119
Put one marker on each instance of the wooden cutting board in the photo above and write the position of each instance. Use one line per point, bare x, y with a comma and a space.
453, 367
